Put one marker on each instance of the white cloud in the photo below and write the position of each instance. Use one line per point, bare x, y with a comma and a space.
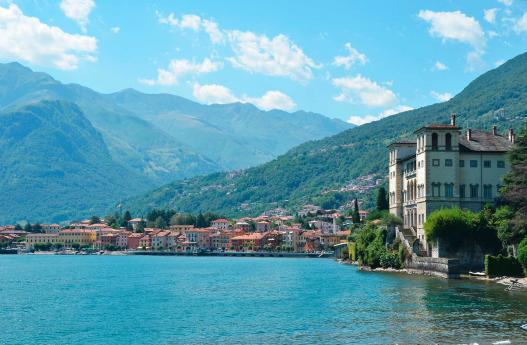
272, 100
441, 97
219, 94
499, 63
490, 15
179, 68
28, 39
276, 56
78, 10
115, 29
361, 120
362, 90
439, 66
194, 23
492, 34
520, 24
457, 26
506, 2
213, 30
353, 57
213, 93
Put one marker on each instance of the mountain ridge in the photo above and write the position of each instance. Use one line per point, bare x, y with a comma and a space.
498, 97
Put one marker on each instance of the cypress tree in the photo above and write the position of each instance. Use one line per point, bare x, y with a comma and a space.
515, 189
382, 201
355, 216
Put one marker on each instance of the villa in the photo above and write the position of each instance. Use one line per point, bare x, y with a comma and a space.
444, 168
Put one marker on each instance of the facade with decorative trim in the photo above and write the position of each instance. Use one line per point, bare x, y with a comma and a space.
444, 168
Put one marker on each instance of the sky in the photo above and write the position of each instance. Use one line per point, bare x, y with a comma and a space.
357, 61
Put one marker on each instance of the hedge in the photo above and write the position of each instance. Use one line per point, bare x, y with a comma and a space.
497, 266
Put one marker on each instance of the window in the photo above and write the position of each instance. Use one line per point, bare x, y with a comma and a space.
448, 162
474, 190
449, 190
473, 163
501, 164
436, 189
461, 163
486, 164
435, 162
487, 191
448, 141
434, 141
462, 191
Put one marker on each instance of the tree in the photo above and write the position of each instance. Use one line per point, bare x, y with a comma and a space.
28, 227
160, 223
382, 201
355, 216
140, 227
37, 228
126, 218
95, 220
522, 253
18, 227
515, 189
201, 222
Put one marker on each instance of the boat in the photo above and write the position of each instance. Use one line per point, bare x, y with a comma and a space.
524, 327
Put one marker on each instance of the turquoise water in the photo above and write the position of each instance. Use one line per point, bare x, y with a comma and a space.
196, 300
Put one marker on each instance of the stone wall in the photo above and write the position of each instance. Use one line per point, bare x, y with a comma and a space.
441, 267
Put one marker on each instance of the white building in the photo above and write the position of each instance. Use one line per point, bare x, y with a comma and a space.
445, 168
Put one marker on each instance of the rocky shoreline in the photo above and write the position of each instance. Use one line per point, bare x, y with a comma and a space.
520, 283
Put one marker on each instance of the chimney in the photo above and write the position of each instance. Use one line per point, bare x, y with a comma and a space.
469, 134
511, 135
453, 119
494, 130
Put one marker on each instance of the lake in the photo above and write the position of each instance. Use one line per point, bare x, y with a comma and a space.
196, 300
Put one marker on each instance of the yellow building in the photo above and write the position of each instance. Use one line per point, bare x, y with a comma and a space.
80, 236
32, 239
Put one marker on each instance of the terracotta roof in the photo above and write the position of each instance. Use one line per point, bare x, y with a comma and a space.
485, 142
253, 236
221, 220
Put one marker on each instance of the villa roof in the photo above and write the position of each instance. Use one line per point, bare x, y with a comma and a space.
485, 142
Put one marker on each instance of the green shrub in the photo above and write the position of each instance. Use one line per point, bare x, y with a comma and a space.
389, 259
458, 228
522, 253
502, 266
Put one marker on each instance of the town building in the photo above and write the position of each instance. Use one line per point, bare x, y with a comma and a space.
442, 168
181, 227
32, 239
248, 242
263, 226
220, 224
82, 237
51, 228
133, 240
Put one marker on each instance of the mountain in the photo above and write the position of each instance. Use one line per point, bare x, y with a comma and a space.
169, 137
54, 160
144, 140
132, 141
498, 97
233, 135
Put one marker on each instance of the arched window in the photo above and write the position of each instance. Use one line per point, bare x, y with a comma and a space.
434, 141
448, 141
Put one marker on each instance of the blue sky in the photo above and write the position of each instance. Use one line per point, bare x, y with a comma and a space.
353, 60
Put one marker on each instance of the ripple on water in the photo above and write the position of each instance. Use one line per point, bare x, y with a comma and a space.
196, 300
